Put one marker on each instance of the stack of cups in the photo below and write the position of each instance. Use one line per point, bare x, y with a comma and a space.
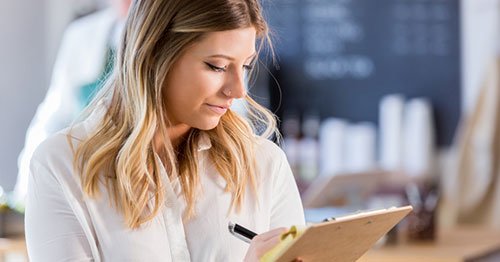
331, 140
407, 141
418, 134
390, 124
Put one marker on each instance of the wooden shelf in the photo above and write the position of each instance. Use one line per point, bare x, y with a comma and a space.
13, 246
461, 244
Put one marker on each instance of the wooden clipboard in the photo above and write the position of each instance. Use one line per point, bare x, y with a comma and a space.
344, 239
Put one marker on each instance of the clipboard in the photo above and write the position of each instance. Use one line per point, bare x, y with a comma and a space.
344, 239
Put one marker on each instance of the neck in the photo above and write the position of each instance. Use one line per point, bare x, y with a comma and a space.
175, 134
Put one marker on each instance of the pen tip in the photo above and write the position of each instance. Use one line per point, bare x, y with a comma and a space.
230, 226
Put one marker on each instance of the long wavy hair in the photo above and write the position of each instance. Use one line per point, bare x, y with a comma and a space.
120, 152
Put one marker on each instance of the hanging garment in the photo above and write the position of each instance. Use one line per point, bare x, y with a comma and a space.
477, 164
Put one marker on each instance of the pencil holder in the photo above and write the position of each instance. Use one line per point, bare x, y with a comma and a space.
421, 225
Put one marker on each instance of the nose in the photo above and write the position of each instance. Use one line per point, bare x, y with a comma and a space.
236, 85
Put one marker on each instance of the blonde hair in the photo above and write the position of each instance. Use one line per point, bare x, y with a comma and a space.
120, 153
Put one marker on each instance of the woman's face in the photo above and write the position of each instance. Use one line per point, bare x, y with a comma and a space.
207, 77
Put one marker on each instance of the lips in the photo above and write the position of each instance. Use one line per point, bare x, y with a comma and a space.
219, 109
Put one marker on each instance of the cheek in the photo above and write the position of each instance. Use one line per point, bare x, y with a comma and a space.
190, 90
199, 87
186, 93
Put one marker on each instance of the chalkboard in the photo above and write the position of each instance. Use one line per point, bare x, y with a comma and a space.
340, 57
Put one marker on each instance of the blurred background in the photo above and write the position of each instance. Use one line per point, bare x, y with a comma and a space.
382, 103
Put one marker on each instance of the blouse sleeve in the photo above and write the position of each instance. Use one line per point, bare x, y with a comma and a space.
286, 207
53, 231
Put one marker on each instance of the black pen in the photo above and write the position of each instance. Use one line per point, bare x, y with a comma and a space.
241, 232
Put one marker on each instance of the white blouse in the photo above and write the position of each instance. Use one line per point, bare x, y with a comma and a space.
62, 224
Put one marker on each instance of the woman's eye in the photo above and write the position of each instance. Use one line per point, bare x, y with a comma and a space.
216, 68
248, 67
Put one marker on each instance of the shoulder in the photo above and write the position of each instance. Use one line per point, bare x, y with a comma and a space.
270, 157
56, 153
267, 148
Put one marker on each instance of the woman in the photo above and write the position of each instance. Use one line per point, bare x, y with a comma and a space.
162, 164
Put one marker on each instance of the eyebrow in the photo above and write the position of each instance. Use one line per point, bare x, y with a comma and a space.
231, 58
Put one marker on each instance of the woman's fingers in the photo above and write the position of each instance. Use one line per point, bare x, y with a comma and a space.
262, 243
271, 234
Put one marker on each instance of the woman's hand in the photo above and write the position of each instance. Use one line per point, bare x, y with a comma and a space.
262, 243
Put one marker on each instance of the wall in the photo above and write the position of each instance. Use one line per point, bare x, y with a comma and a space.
23, 77
30, 34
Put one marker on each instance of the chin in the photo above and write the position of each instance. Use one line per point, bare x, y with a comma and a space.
208, 125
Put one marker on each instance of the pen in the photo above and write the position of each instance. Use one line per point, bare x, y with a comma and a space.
241, 232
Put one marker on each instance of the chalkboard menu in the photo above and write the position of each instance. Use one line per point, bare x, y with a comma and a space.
340, 57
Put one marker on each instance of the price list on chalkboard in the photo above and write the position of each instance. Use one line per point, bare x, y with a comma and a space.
336, 55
